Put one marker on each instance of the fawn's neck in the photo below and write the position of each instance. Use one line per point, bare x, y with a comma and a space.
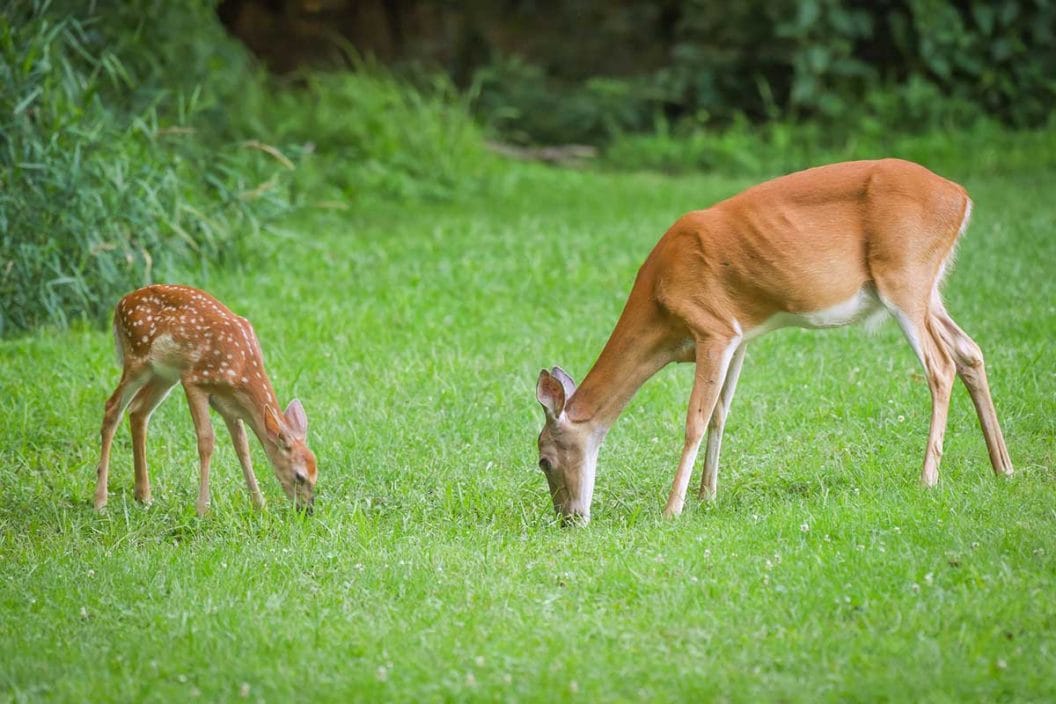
252, 401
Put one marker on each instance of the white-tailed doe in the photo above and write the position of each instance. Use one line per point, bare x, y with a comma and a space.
821, 248
175, 334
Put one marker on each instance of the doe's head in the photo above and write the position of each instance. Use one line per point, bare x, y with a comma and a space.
294, 463
568, 451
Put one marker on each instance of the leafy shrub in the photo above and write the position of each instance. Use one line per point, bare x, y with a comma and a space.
110, 176
912, 64
371, 134
519, 101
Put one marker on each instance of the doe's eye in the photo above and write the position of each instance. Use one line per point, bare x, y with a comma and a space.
544, 464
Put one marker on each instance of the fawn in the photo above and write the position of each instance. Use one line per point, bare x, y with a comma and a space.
821, 248
176, 334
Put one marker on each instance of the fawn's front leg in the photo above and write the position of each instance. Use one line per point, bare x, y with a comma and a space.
238, 437
198, 401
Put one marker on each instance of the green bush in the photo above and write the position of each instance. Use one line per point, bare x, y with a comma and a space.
370, 134
134, 150
519, 101
112, 171
913, 65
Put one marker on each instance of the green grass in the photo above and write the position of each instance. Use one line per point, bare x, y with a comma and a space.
433, 569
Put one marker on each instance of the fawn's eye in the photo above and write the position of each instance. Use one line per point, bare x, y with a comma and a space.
544, 464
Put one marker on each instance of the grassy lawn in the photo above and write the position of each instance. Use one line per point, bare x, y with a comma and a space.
433, 568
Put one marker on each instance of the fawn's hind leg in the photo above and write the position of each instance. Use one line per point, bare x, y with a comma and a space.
198, 401
132, 379
146, 400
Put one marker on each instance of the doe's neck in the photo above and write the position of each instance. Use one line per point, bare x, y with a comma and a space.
638, 347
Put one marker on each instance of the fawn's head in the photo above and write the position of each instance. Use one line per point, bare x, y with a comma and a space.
568, 451
294, 463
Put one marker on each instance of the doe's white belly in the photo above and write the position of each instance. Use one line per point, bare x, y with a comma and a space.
864, 306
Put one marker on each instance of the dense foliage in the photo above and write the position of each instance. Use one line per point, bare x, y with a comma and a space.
136, 149
114, 169
912, 64
139, 142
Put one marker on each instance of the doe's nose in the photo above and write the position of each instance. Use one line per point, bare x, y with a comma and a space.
574, 519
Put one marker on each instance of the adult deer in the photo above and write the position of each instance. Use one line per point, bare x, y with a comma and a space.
821, 248
175, 334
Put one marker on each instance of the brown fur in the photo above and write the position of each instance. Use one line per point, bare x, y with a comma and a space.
795, 245
176, 334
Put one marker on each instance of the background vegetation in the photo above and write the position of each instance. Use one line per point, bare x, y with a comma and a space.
116, 156
139, 142
591, 70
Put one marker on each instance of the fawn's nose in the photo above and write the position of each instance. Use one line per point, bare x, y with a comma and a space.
306, 504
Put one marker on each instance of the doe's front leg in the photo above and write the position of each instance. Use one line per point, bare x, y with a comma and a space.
709, 480
713, 361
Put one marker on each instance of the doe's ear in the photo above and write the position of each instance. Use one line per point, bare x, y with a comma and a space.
272, 423
296, 419
550, 393
566, 381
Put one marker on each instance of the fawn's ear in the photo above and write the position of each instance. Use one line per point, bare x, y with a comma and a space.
550, 393
296, 419
272, 423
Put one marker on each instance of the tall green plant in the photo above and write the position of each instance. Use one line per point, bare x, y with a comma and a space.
111, 173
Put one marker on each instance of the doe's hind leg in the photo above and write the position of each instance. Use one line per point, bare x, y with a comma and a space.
970, 367
918, 326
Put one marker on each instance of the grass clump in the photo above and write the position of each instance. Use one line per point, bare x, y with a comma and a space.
781, 147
